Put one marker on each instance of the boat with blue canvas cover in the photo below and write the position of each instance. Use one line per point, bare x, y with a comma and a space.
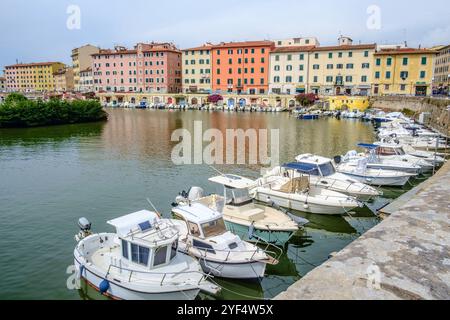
250, 221
322, 174
140, 261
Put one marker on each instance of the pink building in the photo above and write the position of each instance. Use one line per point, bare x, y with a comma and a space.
153, 67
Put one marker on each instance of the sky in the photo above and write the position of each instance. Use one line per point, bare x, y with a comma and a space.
33, 31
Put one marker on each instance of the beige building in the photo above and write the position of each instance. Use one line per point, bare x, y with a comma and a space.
342, 69
86, 83
81, 60
297, 42
441, 79
64, 81
403, 71
2, 84
289, 69
196, 68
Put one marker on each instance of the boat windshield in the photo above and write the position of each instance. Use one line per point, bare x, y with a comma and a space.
239, 196
327, 169
214, 228
400, 151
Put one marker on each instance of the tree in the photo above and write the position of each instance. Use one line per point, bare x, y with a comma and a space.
306, 100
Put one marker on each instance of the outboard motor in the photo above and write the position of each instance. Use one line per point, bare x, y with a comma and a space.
337, 159
85, 229
195, 193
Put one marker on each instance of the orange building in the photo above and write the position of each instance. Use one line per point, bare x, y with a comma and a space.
241, 67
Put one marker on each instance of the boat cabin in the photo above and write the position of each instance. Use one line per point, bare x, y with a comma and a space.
312, 165
202, 222
146, 240
389, 150
236, 189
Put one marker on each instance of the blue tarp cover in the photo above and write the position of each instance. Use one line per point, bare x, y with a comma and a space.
303, 167
367, 146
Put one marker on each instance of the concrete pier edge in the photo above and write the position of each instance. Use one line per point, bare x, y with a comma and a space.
405, 257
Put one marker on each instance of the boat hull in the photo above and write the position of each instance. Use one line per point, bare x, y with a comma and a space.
377, 166
119, 291
248, 271
380, 181
298, 205
274, 237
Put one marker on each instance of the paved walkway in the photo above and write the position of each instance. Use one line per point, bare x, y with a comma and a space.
407, 256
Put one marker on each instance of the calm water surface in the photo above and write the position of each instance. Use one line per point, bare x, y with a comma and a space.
49, 177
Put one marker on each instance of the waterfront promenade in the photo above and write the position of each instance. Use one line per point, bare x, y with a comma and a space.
411, 249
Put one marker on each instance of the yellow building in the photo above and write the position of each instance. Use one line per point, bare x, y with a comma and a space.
196, 68
32, 77
82, 60
404, 71
350, 103
341, 69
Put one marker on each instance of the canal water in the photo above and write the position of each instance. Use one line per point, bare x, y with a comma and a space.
51, 176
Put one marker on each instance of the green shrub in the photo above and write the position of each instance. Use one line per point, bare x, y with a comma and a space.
18, 111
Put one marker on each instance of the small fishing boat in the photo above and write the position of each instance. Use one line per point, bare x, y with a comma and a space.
140, 261
250, 221
295, 191
359, 171
203, 234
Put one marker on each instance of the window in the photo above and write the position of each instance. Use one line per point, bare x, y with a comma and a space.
316, 79
125, 249
378, 62
350, 54
276, 79
316, 67
134, 253
302, 67
366, 54
363, 78
329, 79
144, 253
340, 55
404, 75
289, 67
422, 74
366, 65
288, 79
289, 57
339, 66
277, 58
377, 75
302, 56
330, 55
402, 87
387, 87
316, 56
276, 68
389, 61
174, 251
405, 61
300, 79
349, 79
329, 66
424, 61
349, 65
193, 227
388, 74
160, 256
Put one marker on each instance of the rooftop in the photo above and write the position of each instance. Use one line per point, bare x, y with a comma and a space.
405, 51
34, 64
347, 47
243, 44
293, 49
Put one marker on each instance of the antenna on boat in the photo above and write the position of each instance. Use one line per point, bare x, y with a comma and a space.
221, 173
154, 208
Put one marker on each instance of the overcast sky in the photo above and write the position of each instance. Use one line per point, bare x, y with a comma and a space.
37, 30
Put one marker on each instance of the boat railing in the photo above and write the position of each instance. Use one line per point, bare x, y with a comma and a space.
150, 273
204, 252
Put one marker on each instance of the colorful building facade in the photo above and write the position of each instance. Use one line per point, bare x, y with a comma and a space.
289, 67
441, 79
32, 77
86, 83
81, 60
350, 103
196, 67
154, 67
403, 71
2, 84
241, 67
342, 69
64, 81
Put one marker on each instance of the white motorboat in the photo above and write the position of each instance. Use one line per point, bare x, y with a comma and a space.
376, 177
139, 261
396, 152
221, 253
376, 162
250, 221
297, 193
323, 175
